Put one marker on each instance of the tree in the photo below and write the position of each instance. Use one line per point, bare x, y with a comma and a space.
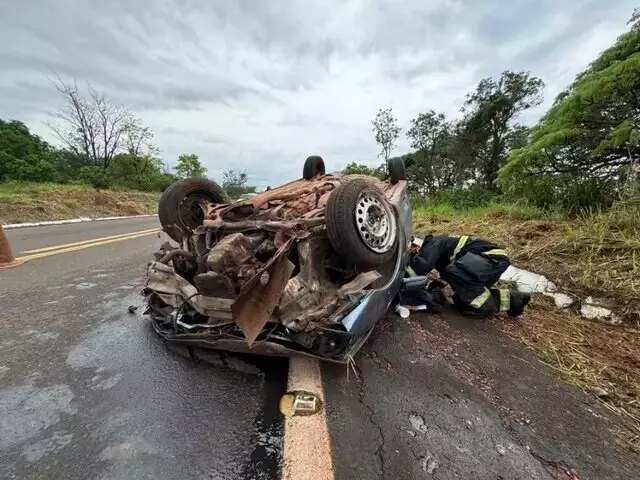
361, 169
490, 114
138, 139
90, 125
234, 183
432, 166
386, 132
144, 173
589, 137
189, 166
24, 156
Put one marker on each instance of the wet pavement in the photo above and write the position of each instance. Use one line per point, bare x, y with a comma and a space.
448, 397
87, 390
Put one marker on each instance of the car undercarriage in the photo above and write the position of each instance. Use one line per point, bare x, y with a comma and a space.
304, 268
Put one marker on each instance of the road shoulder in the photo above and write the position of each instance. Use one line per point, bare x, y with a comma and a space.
455, 398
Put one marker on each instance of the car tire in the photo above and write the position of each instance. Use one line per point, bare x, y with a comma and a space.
313, 166
348, 209
397, 170
178, 208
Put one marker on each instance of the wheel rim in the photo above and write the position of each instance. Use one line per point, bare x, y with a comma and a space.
190, 212
375, 221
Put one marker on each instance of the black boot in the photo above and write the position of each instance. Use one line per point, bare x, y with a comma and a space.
519, 300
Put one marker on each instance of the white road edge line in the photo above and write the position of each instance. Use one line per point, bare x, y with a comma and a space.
72, 220
307, 446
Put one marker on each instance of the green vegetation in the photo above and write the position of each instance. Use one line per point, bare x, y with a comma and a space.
234, 182
38, 201
26, 157
359, 169
189, 166
105, 147
467, 152
511, 210
584, 152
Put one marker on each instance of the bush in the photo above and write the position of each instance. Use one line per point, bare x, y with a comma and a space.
568, 193
97, 177
464, 198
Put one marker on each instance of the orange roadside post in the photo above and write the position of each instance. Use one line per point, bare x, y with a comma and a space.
7, 260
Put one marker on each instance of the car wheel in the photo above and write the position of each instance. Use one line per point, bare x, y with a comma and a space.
331, 344
361, 223
397, 170
313, 166
179, 207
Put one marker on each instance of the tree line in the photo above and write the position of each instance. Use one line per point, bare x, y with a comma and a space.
467, 151
104, 144
583, 153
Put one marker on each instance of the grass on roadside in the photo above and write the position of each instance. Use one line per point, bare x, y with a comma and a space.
595, 254
515, 211
602, 360
30, 201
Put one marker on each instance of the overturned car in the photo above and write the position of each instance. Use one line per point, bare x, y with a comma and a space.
305, 268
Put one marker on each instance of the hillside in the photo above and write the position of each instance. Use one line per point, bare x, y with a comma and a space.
31, 202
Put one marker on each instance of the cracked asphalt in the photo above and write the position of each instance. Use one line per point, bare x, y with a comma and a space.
88, 391
448, 397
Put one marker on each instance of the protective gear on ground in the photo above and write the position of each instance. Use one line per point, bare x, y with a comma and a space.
413, 293
471, 266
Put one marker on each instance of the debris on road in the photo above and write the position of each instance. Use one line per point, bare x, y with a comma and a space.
308, 267
132, 309
429, 463
417, 422
299, 403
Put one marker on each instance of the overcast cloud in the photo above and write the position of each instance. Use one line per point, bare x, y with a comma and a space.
260, 85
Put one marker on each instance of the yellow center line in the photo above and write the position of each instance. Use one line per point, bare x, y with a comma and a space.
307, 445
92, 240
72, 247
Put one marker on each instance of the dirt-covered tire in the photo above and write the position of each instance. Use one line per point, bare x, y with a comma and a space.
361, 223
313, 166
178, 208
397, 170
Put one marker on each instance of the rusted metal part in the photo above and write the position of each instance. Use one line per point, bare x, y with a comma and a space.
293, 226
310, 319
290, 197
171, 254
306, 294
229, 252
256, 302
358, 284
215, 285
175, 291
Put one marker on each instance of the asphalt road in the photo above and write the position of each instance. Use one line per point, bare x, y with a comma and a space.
88, 391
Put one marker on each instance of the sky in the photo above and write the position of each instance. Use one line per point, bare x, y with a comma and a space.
260, 85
